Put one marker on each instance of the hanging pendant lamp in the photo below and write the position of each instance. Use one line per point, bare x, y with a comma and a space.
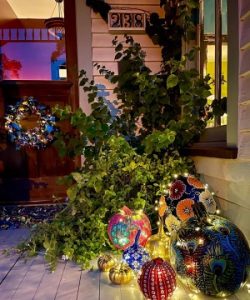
55, 25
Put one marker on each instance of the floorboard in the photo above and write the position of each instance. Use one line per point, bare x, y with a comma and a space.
32, 279
49, 283
69, 284
89, 288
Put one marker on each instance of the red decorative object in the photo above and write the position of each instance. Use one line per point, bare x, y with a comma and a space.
157, 280
123, 226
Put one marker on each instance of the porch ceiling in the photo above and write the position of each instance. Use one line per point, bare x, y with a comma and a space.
41, 9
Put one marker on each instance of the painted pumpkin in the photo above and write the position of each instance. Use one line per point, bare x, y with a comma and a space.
120, 274
106, 262
210, 254
135, 256
184, 192
157, 280
123, 226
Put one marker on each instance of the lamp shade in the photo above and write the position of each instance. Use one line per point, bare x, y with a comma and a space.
55, 25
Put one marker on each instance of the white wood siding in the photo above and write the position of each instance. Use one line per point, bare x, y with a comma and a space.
229, 180
102, 49
244, 80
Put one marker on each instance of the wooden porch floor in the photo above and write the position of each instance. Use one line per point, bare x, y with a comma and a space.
31, 279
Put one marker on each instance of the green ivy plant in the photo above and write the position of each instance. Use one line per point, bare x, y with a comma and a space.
118, 176
174, 99
129, 159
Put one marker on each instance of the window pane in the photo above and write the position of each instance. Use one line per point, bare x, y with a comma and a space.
209, 68
209, 16
28, 50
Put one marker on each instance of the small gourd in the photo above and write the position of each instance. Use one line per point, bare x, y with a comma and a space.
120, 274
106, 262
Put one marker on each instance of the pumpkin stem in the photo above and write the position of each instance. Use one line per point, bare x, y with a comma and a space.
137, 237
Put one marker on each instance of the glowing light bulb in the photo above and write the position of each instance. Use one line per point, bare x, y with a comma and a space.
156, 201
175, 176
209, 220
156, 208
186, 174
217, 211
169, 185
201, 241
197, 229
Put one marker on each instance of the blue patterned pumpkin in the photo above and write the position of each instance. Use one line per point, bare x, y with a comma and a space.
184, 192
210, 254
136, 255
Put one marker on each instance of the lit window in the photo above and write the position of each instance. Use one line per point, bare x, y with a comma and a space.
209, 36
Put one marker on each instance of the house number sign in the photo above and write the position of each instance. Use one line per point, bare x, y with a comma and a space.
126, 20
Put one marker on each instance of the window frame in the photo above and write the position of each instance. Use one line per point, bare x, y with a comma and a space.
221, 141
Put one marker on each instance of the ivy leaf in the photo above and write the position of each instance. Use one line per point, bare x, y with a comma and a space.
118, 55
77, 177
172, 81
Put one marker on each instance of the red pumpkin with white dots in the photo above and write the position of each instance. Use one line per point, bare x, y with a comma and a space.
157, 280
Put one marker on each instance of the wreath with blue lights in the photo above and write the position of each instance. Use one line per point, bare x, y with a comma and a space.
39, 136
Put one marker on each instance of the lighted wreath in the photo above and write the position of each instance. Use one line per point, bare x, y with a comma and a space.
38, 136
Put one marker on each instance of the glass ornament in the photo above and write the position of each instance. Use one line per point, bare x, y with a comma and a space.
157, 280
120, 274
184, 192
123, 226
135, 256
210, 254
158, 245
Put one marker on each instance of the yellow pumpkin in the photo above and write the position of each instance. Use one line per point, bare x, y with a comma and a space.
158, 245
120, 274
105, 262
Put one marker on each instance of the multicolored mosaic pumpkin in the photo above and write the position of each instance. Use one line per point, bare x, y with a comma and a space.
184, 192
123, 226
135, 256
157, 280
210, 254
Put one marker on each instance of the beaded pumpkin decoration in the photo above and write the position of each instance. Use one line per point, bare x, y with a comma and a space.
210, 254
184, 192
157, 280
123, 226
135, 256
